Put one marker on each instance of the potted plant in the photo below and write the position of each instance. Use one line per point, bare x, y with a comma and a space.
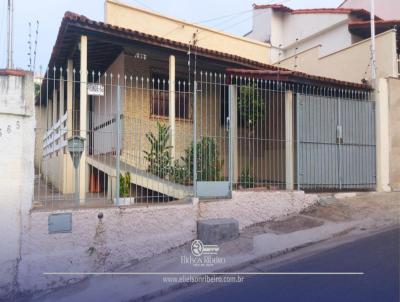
124, 190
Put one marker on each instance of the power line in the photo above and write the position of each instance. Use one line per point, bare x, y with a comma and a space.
230, 19
221, 17
143, 4
242, 21
233, 25
214, 19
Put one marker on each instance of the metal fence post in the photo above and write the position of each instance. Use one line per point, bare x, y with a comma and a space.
118, 121
298, 108
195, 139
232, 136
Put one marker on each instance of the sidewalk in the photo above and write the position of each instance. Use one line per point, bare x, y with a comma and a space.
334, 216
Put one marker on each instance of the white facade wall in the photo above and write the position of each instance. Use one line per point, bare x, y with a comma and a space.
386, 9
261, 30
293, 33
105, 108
328, 30
17, 139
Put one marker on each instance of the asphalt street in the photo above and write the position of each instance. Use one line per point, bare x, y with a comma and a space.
376, 256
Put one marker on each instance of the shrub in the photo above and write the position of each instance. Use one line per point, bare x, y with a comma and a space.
124, 184
159, 156
209, 165
246, 180
251, 106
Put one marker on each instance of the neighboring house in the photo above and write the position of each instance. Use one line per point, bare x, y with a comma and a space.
291, 31
335, 43
385, 9
145, 80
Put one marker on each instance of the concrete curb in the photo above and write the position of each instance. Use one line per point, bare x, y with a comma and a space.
238, 267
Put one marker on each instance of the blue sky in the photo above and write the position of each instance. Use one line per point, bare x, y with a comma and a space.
50, 12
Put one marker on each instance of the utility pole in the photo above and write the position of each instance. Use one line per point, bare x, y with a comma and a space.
373, 49
10, 34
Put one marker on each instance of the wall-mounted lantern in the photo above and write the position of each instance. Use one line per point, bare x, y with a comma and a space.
76, 145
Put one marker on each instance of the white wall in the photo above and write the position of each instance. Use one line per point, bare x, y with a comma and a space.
386, 9
17, 139
261, 30
105, 108
328, 30
293, 33
336, 65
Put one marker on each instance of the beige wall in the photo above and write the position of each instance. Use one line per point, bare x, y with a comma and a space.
152, 23
138, 119
394, 132
40, 130
265, 160
59, 172
57, 168
350, 64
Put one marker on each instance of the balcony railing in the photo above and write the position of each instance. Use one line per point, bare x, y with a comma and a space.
55, 138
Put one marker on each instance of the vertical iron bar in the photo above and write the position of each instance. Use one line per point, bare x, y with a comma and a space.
230, 139
297, 141
195, 139
118, 121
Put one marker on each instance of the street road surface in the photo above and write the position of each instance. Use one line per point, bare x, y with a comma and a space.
376, 256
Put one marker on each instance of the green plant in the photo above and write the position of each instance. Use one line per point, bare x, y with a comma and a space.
37, 89
251, 106
246, 180
159, 156
180, 173
124, 184
209, 165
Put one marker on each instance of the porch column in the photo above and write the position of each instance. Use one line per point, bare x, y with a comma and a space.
233, 124
69, 170
63, 163
172, 104
83, 119
289, 150
382, 136
70, 66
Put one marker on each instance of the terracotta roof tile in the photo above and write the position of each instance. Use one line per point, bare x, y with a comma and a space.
291, 75
279, 7
377, 23
249, 66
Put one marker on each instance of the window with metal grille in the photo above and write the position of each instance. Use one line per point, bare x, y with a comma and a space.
159, 103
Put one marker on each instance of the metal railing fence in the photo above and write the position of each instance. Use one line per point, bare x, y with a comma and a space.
151, 141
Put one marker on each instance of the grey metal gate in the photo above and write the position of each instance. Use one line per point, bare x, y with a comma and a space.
335, 143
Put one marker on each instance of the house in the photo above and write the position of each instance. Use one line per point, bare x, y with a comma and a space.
292, 31
335, 43
142, 101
